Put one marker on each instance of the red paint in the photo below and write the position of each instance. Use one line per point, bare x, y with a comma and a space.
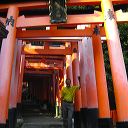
102, 92
7, 52
118, 70
76, 73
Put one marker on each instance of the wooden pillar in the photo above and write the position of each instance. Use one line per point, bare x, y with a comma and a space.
83, 110
14, 82
69, 68
61, 83
7, 52
20, 80
64, 72
102, 92
13, 89
91, 90
76, 73
54, 86
118, 70
69, 64
12, 111
57, 93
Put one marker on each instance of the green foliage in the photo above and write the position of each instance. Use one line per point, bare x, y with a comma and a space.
123, 31
109, 77
84, 9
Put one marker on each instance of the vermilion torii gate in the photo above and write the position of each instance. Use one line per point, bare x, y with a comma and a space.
92, 101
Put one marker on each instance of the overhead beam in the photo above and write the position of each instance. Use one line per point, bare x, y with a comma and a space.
54, 33
57, 33
36, 51
25, 5
43, 68
38, 4
47, 72
96, 18
23, 22
43, 63
36, 67
44, 57
48, 39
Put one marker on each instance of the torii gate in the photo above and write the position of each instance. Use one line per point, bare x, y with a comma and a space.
109, 18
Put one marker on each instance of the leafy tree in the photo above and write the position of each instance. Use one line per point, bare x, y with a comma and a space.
123, 30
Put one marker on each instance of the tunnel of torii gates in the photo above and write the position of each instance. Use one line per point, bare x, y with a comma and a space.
81, 55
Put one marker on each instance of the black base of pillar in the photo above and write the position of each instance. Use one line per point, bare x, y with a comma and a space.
12, 117
7, 123
83, 114
19, 109
122, 125
105, 123
92, 118
19, 106
2, 125
77, 119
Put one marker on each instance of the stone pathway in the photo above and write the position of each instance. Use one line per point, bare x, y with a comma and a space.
34, 117
41, 122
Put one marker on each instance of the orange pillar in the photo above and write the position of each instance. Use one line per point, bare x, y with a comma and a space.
13, 88
57, 92
64, 72
54, 86
118, 70
61, 83
20, 80
91, 90
75, 70
102, 92
7, 52
83, 110
14, 82
69, 67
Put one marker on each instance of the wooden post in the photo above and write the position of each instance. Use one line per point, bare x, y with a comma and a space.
69, 68
91, 90
83, 110
76, 73
13, 92
13, 89
118, 70
102, 92
21, 73
7, 52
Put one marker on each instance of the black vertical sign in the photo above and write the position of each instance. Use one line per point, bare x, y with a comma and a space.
58, 11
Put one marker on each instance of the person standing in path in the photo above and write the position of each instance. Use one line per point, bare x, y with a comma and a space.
67, 97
